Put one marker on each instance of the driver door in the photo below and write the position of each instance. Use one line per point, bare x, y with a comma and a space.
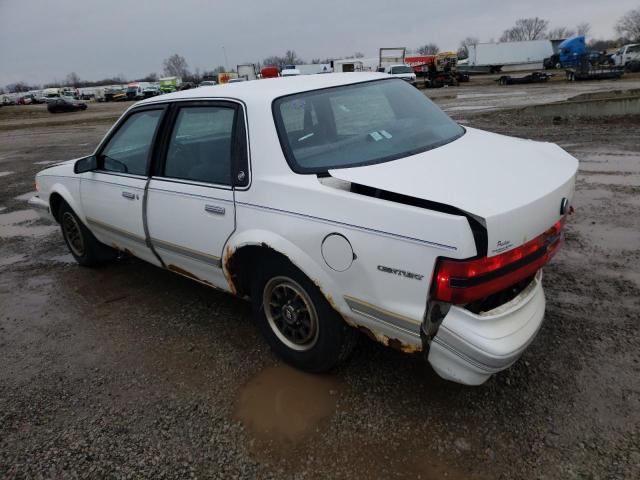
112, 196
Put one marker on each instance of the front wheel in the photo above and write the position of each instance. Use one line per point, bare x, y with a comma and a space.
297, 320
85, 248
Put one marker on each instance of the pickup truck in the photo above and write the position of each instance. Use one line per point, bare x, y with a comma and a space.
626, 54
335, 204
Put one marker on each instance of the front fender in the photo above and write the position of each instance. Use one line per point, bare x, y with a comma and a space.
70, 194
297, 256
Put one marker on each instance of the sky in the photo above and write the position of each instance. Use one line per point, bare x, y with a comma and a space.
44, 40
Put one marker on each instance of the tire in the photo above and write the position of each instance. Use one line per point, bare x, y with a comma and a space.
85, 248
299, 324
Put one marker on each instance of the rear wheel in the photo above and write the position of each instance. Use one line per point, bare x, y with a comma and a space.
85, 248
297, 320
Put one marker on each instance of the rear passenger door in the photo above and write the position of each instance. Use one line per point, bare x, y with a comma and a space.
190, 199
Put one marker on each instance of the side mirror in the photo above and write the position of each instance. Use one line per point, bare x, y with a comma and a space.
87, 164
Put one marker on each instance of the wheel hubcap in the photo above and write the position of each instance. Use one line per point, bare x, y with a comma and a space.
290, 313
73, 234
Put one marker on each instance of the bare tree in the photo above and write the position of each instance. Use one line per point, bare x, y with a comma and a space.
629, 25
428, 49
315, 61
526, 29
176, 66
151, 77
559, 33
358, 55
73, 79
18, 87
583, 28
291, 58
463, 50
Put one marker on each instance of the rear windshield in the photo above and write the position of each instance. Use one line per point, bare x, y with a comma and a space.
361, 124
401, 69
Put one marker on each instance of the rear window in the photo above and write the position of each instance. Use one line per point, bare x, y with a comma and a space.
361, 124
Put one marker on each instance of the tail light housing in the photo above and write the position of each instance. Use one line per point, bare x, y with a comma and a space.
465, 281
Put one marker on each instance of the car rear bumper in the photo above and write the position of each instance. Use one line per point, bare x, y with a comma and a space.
468, 348
41, 207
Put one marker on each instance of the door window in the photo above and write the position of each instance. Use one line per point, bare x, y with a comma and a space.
200, 147
129, 149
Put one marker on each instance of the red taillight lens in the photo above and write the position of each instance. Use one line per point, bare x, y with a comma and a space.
464, 281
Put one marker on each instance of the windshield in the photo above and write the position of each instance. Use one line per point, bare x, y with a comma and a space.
401, 69
359, 124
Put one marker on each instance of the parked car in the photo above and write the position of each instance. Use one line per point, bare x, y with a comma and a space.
355, 204
208, 83
65, 104
405, 72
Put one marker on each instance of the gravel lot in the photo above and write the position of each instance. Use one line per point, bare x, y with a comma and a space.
128, 371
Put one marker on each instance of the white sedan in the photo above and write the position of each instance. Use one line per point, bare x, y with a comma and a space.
336, 203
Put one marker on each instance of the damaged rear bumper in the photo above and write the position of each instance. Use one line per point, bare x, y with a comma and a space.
468, 348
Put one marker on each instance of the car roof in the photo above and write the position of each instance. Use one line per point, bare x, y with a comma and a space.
268, 89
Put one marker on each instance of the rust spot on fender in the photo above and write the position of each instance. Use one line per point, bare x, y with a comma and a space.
226, 268
389, 342
185, 273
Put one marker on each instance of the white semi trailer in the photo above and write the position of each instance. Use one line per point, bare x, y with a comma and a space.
492, 57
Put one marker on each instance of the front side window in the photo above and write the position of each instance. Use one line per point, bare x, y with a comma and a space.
200, 147
129, 149
360, 124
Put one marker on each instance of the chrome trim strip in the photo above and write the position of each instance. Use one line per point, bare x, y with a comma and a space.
394, 320
348, 225
131, 236
186, 252
121, 185
185, 194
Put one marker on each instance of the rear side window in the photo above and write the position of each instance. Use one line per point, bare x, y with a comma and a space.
360, 124
200, 146
129, 149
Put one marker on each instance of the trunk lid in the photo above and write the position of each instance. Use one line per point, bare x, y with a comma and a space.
514, 187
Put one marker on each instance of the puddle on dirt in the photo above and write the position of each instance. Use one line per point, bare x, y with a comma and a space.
463, 108
483, 95
613, 161
4, 174
284, 404
67, 258
11, 259
45, 162
610, 237
624, 180
18, 224
25, 196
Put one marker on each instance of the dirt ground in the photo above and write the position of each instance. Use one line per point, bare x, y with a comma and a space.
129, 371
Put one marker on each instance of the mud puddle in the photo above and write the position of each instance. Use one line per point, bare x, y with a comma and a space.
615, 161
11, 259
610, 237
630, 180
25, 196
19, 224
282, 404
4, 174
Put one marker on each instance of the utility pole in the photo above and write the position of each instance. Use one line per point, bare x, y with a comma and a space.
226, 60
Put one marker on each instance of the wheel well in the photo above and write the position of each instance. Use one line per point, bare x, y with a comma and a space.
240, 265
55, 200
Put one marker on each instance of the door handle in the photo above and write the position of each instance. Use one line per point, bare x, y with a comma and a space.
129, 195
214, 209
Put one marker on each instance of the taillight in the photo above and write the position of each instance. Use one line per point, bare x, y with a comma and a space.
464, 281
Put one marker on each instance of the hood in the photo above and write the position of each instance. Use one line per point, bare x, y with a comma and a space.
514, 187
